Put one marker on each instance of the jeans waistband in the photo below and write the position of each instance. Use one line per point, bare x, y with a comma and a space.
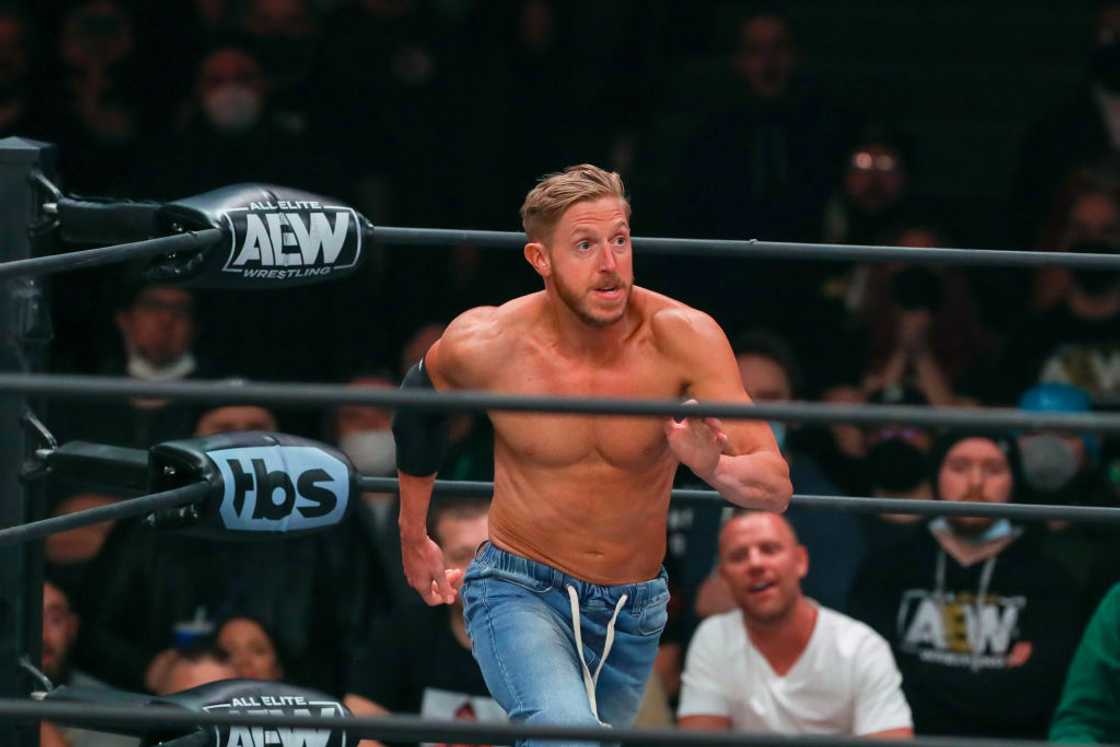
639, 594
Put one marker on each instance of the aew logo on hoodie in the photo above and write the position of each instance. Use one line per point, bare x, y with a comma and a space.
278, 705
962, 630
292, 240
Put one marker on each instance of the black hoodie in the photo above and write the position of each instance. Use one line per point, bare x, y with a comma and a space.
983, 649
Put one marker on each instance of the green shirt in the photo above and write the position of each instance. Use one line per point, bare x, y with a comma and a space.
1090, 707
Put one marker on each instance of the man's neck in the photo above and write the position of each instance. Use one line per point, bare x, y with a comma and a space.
783, 641
1103, 306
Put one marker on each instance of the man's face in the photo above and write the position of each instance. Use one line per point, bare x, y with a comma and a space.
250, 650
234, 418
159, 325
590, 260
1093, 216
766, 57
975, 469
875, 179
230, 67
360, 418
763, 564
60, 627
763, 378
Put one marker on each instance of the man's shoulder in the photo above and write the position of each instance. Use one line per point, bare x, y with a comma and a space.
675, 324
847, 635
725, 629
484, 333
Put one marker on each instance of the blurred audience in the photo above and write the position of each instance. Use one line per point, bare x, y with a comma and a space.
158, 330
66, 555
442, 113
419, 661
770, 374
982, 624
897, 466
232, 418
1083, 130
1086, 209
21, 113
60, 631
97, 109
779, 663
873, 193
194, 668
1077, 341
251, 649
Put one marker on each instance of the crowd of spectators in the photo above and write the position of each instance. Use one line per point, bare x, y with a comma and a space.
442, 113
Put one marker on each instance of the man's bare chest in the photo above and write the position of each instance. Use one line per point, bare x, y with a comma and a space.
559, 440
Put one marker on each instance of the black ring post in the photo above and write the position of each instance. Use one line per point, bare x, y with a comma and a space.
24, 332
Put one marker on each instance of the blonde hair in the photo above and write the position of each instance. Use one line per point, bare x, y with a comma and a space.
557, 192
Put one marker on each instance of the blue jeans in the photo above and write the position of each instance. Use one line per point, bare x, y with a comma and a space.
519, 617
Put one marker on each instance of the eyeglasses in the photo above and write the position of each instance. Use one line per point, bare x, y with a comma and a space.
866, 161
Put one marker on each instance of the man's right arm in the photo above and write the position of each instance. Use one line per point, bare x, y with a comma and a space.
421, 439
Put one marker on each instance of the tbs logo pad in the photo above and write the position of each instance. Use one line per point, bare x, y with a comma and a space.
281, 488
292, 239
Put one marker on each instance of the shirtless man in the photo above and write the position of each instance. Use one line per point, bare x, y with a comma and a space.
566, 602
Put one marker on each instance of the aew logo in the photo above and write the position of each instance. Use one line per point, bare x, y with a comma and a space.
281, 488
278, 705
292, 239
961, 630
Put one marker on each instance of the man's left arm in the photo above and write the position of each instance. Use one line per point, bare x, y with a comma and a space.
740, 459
880, 708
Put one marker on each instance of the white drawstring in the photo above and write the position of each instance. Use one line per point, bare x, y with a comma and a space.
589, 681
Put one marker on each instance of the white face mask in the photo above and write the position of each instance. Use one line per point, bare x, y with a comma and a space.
372, 452
233, 108
140, 368
999, 529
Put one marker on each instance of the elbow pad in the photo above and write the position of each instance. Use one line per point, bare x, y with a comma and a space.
421, 437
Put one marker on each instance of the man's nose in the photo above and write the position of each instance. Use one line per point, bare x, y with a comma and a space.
608, 261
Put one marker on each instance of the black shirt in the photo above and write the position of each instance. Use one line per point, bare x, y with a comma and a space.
982, 649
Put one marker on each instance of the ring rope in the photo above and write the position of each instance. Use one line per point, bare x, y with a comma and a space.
414, 729
748, 248
196, 492
108, 387
105, 255
756, 248
861, 505
181, 496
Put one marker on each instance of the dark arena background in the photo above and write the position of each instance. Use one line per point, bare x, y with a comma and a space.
232, 226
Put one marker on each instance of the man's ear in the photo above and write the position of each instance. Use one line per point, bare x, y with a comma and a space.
537, 256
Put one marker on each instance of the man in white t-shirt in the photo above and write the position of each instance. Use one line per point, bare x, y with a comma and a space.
780, 663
